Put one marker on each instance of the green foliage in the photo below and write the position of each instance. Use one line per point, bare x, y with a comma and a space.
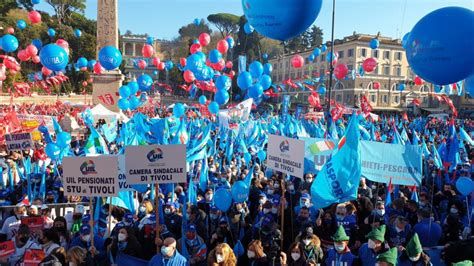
310, 38
226, 23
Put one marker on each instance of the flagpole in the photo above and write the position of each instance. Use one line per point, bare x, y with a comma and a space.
91, 222
157, 215
331, 67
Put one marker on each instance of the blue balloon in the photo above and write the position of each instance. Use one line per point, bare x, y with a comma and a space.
91, 63
52, 150
178, 110
21, 24
256, 69
244, 80
63, 139
222, 199
215, 56
77, 33
240, 192
267, 69
213, 108
194, 63
223, 82
383, 138
316, 51
110, 57
123, 104
255, 91
266, 82
221, 97
469, 85
439, 47
401, 87
322, 90
196, 41
374, 43
35, 2
328, 57
53, 57
230, 42
144, 82
134, 102
202, 99
133, 85
38, 43
197, 21
247, 157
169, 65
155, 72
124, 91
323, 48
265, 56
248, 29
311, 57
405, 40
81, 62
51, 32
262, 155
150, 40
465, 185
281, 19
9, 43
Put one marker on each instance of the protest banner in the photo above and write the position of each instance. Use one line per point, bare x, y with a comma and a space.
155, 164
32, 121
7, 248
90, 176
33, 222
33, 257
19, 142
237, 115
122, 177
286, 155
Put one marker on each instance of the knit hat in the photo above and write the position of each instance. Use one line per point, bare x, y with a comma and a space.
377, 233
462, 263
414, 247
390, 256
340, 235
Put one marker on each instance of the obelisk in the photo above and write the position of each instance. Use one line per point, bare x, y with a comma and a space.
105, 85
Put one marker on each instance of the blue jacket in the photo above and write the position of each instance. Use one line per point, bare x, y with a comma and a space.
98, 244
333, 256
428, 238
176, 260
398, 238
368, 256
349, 223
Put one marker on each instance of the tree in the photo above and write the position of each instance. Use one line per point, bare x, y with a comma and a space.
64, 8
226, 23
192, 31
309, 38
7, 5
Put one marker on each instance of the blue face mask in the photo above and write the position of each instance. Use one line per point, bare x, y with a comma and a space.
339, 217
165, 250
213, 216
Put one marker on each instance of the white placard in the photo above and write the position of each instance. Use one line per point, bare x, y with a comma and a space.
155, 164
122, 177
90, 176
19, 142
286, 155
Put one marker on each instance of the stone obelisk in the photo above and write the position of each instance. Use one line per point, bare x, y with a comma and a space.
105, 85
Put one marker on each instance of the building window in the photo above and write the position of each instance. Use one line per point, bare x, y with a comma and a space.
425, 100
399, 55
396, 99
386, 70
386, 55
376, 70
293, 75
398, 71
350, 52
350, 67
286, 76
128, 49
375, 53
322, 72
306, 61
275, 66
280, 77
138, 49
306, 72
341, 54
363, 52
347, 99
287, 64
281, 65
322, 58
338, 98
372, 98
385, 99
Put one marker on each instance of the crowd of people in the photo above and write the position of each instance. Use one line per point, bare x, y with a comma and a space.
277, 225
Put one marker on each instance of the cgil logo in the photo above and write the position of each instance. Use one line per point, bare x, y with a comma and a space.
54, 60
285, 146
88, 168
155, 155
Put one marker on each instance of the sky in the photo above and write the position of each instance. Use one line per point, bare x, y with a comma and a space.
163, 18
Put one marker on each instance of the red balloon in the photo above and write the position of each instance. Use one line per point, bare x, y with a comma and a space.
83, 69
156, 61
340, 71
369, 64
161, 66
188, 76
314, 100
418, 81
31, 50
98, 68
182, 61
229, 64
141, 64
219, 66
222, 46
84, 83
208, 62
90, 80
376, 85
147, 50
46, 71
195, 48
297, 61
64, 44
204, 39
232, 74
10, 30
34, 16
10, 62
35, 59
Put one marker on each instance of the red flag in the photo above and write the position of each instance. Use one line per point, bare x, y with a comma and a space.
365, 104
405, 116
390, 186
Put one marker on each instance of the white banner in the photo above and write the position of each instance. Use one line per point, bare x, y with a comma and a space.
90, 176
19, 141
237, 115
286, 155
155, 164
122, 177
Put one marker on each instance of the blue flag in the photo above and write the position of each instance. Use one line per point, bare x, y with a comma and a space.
339, 178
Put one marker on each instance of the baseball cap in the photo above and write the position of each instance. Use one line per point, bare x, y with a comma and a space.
85, 229
192, 228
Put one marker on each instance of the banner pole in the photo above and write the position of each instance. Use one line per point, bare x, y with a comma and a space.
110, 217
91, 222
157, 214
283, 191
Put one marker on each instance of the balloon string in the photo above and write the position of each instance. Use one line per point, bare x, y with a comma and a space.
403, 19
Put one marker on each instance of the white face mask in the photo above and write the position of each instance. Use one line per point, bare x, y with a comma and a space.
270, 192
209, 197
142, 209
380, 212
295, 256
371, 244
339, 247
72, 263
398, 229
307, 242
219, 258
265, 211
250, 254
453, 210
416, 258
274, 210
86, 238
121, 237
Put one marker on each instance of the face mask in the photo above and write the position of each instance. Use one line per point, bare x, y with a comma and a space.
270, 192
422, 204
209, 197
308, 181
454, 211
416, 258
291, 187
398, 229
433, 175
339, 247
295, 256
86, 238
142, 209
327, 221
340, 217
262, 201
265, 211
274, 210
72, 263
250, 254
219, 258
371, 244
276, 186
307, 242
380, 212
167, 211
121, 237
213, 216
165, 251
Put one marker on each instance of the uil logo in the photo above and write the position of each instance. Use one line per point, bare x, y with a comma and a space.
285, 146
154, 155
88, 168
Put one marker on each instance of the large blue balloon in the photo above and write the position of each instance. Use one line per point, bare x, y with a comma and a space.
240, 191
194, 63
469, 85
405, 40
53, 57
145, 82
255, 91
202, 99
374, 43
440, 47
9, 43
222, 199
81, 62
133, 85
256, 69
38, 43
281, 19
213, 108
110, 57
150, 40
311, 57
35, 2
91, 63
221, 97
267, 69
230, 42
51, 32
266, 82
244, 80
324, 48
123, 104
465, 185
52, 150
248, 29
21, 24
63, 139
178, 110
124, 91
316, 51
134, 102
215, 56
223, 82
77, 33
